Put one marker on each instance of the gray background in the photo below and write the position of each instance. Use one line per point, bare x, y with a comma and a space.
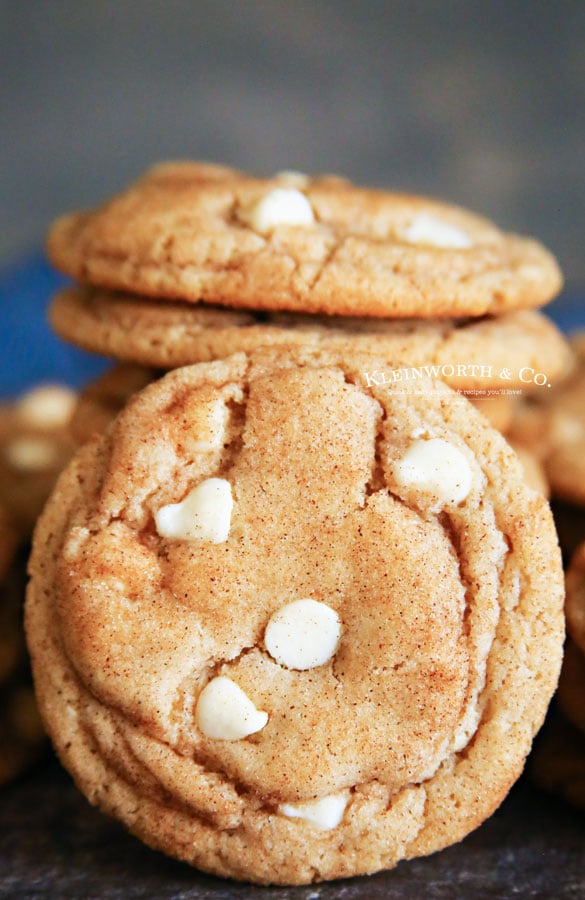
482, 103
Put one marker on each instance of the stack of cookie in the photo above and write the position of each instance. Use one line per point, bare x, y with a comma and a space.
296, 614
294, 261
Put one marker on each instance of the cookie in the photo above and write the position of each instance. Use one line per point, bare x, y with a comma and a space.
288, 626
552, 424
497, 408
533, 470
102, 399
570, 694
575, 605
194, 231
557, 764
34, 447
500, 354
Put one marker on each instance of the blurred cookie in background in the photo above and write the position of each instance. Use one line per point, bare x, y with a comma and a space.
533, 469
552, 424
35, 444
102, 399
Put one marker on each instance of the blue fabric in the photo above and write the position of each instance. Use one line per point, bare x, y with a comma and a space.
31, 353
568, 311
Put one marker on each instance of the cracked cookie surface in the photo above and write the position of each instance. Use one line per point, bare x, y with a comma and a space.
195, 231
102, 399
193, 698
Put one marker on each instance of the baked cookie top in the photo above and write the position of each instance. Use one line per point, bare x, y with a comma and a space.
468, 354
195, 231
291, 626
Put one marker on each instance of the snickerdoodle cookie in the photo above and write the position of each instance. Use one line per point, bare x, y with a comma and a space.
290, 626
195, 231
489, 354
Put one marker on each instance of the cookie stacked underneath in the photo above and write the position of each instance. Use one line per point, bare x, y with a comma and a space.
296, 614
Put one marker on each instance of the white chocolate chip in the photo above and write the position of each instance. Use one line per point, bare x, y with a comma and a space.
325, 813
32, 453
204, 514
426, 229
281, 206
226, 713
435, 467
564, 428
47, 407
303, 634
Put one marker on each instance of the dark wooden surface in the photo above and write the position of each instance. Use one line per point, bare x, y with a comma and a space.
53, 844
